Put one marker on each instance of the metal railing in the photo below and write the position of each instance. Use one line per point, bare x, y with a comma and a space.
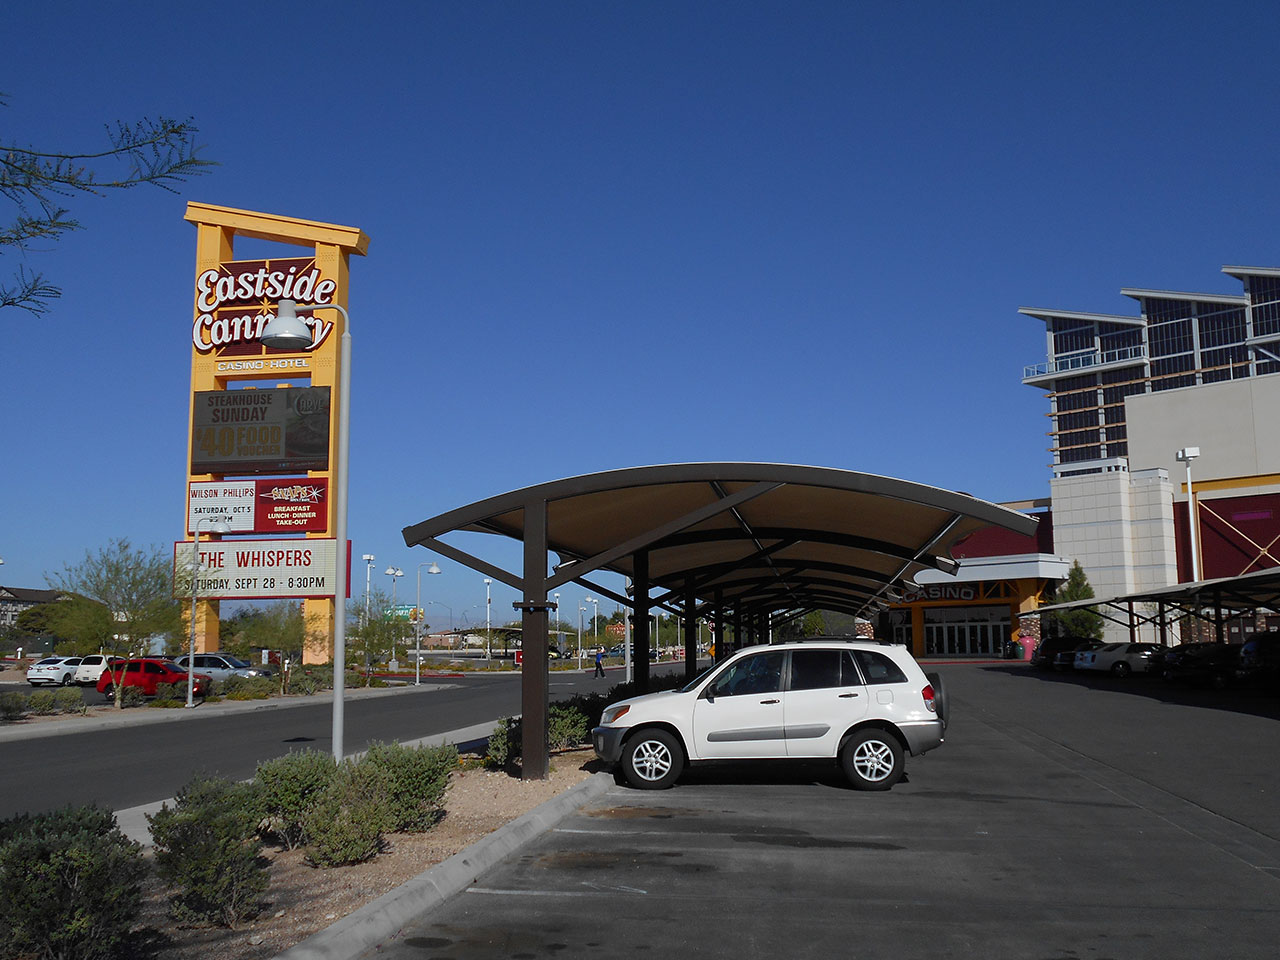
1084, 361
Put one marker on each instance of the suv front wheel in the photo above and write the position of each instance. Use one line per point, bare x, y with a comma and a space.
872, 760
652, 760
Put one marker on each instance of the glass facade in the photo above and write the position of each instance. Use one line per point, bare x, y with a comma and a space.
1179, 340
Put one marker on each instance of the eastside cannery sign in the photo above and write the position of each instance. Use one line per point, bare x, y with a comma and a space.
237, 299
258, 569
283, 430
262, 506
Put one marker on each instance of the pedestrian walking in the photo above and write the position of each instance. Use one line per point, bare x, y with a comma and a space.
599, 663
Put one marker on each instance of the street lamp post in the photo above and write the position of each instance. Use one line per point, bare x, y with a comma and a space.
1186, 455
219, 523
488, 623
559, 620
395, 573
417, 632
595, 622
581, 609
287, 332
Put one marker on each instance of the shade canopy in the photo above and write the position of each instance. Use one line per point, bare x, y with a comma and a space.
756, 537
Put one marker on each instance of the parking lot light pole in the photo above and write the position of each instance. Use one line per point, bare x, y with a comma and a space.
395, 573
595, 622
287, 332
219, 523
1186, 455
417, 654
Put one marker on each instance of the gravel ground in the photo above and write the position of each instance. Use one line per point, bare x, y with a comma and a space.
303, 899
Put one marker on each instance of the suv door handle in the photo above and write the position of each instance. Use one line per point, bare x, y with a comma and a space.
768, 701
846, 696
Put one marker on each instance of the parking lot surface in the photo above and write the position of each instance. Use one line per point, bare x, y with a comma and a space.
1062, 818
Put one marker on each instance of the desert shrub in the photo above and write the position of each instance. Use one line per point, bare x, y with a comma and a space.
206, 845
504, 743
286, 789
70, 885
41, 702
13, 705
308, 684
69, 700
590, 705
417, 779
170, 695
132, 697
247, 688
350, 816
566, 726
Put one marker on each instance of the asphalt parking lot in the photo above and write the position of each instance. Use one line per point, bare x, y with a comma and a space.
1063, 818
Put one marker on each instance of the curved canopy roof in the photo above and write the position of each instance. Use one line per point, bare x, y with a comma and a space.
760, 536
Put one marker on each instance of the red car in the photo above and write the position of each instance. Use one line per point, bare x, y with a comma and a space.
147, 673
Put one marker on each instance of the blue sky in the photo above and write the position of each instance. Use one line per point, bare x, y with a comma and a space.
614, 234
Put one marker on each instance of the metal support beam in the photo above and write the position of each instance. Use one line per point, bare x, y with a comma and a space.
640, 581
533, 621
718, 600
690, 632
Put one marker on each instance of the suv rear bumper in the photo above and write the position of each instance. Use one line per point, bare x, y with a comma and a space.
608, 742
922, 735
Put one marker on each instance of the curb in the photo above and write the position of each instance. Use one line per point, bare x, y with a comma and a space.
384, 919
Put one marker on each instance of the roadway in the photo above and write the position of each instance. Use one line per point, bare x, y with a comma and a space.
132, 765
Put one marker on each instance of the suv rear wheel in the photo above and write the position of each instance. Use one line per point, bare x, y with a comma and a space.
652, 760
872, 760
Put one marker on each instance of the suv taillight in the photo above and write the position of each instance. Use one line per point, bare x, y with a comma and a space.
927, 693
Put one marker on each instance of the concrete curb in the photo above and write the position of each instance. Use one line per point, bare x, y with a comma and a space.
383, 919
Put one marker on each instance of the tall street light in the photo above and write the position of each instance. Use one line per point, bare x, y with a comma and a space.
1186, 455
368, 559
417, 654
219, 523
488, 623
595, 622
287, 332
395, 573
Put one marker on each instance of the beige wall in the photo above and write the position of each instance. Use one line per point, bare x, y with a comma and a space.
1235, 424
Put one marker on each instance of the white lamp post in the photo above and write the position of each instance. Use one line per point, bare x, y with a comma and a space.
368, 559
395, 573
1186, 455
217, 524
595, 622
417, 654
581, 608
488, 623
559, 621
287, 332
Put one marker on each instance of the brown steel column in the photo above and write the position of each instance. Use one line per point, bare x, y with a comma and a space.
718, 631
1164, 626
690, 631
640, 658
1133, 625
533, 622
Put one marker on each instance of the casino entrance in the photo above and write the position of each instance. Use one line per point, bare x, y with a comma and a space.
966, 631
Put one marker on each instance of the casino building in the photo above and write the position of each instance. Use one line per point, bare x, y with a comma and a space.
1165, 454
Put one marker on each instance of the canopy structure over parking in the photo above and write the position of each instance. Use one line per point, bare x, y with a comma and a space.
1213, 601
751, 544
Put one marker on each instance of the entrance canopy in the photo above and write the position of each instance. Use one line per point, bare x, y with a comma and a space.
752, 543
760, 536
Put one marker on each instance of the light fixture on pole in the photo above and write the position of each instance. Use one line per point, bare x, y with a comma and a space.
287, 332
217, 524
488, 623
1186, 455
581, 609
417, 625
595, 622
395, 573
559, 623
368, 559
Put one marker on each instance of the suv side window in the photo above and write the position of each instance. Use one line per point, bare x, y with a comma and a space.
760, 673
878, 668
815, 669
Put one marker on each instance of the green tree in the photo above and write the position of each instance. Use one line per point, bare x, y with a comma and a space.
378, 634
85, 625
814, 624
1081, 622
136, 585
161, 152
278, 626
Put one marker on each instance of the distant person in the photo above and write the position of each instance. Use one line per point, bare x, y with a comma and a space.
599, 663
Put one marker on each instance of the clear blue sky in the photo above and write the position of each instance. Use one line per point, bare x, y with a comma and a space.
614, 234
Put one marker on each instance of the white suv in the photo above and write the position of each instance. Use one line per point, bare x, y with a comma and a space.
862, 702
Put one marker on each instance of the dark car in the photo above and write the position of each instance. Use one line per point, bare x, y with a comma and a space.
1066, 659
1210, 664
1260, 659
1049, 648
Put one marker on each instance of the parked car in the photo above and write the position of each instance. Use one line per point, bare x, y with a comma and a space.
1050, 647
1120, 659
1066, 659
53, 671
220, 666
1214, 664
858, 702
147, 673
91, 668
1260, 659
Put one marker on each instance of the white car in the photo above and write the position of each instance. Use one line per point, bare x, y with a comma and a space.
1120, 659
54, 671
91, 668
863, 703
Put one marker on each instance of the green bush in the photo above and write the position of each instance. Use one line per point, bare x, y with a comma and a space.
566, 726
133, 697
69, 700
13, 705
41, 702
504, 743
247, 688
206, 845
170, 695
350, 816
308, 684
286, 789
70, 885
417, 779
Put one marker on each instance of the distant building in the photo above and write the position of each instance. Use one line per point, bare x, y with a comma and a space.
13, 600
